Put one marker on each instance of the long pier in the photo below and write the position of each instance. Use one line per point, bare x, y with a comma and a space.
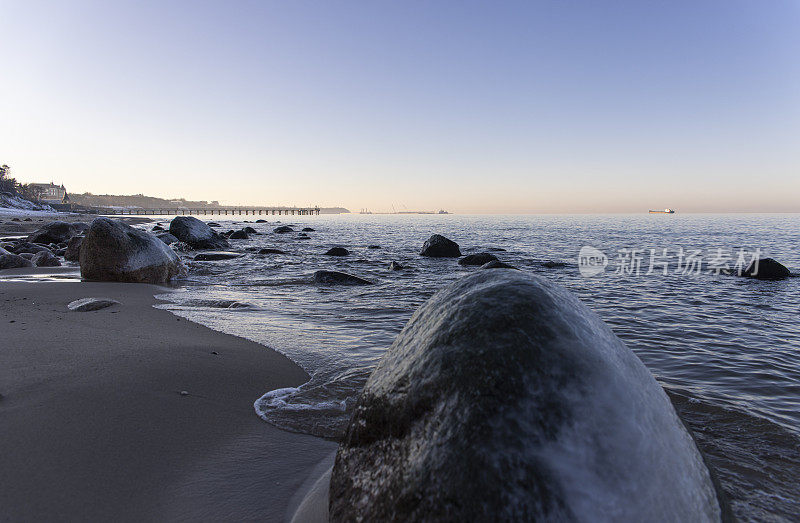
228, 211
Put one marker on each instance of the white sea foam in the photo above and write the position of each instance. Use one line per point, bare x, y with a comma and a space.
280, 399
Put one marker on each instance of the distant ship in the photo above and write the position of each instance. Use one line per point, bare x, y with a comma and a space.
665, 211
442, 211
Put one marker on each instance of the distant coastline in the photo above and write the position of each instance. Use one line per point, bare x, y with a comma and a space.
151, 202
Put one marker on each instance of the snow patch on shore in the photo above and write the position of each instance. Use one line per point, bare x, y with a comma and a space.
16, 205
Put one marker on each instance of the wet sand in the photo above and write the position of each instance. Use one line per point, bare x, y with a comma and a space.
95, 425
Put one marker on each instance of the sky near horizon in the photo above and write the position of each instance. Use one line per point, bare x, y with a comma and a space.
507, 107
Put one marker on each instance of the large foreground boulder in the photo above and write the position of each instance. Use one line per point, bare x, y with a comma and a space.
57, 232
196, 233
506, 399
114, 251
437, 246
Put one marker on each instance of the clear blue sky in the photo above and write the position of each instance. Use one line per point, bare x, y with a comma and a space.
554, 106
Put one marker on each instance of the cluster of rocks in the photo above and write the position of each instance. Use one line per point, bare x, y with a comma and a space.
437, 246
114, 245
43, 247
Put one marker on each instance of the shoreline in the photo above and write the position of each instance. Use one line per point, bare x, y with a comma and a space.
96, 425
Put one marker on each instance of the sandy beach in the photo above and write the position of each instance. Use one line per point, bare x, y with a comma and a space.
130, 413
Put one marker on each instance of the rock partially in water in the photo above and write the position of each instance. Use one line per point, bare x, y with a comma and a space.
437, 246
250, 230
337, 251
506, 399
219, 255
239, 235
115, 251
45, 259
219, 304
213, 224
766, 269
497, 264
271, 251
56, 232
553, 264
308, 229
395, 266
283, 229
91, 304
481, 258
157, 228
303, 236
28, 247
167, 238
73, 248
496, 249
196, 233
261, 220
373, 247
338, 278
10, 260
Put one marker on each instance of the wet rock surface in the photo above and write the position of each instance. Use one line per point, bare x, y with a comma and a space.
115, 251
497, 264
196, 233
338, 278
45, 259
216, 256
766, 269
73, 251
91, 304
506, 399
437, 246
480, 258
56, 232
337, 251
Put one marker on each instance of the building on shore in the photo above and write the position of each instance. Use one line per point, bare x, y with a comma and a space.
49, 192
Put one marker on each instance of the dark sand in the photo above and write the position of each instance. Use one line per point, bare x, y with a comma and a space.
93, 424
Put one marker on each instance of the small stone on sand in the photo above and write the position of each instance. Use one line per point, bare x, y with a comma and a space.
91, 304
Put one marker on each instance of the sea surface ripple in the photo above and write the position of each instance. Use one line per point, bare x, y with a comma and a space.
727, 349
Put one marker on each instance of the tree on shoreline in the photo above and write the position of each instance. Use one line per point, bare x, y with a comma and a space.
7, 184
11, 186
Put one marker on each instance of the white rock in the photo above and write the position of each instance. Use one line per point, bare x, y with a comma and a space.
91, 304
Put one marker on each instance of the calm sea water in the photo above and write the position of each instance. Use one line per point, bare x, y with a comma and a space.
727, 349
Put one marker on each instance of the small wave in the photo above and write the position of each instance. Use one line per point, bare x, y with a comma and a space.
217, 304
281, 399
